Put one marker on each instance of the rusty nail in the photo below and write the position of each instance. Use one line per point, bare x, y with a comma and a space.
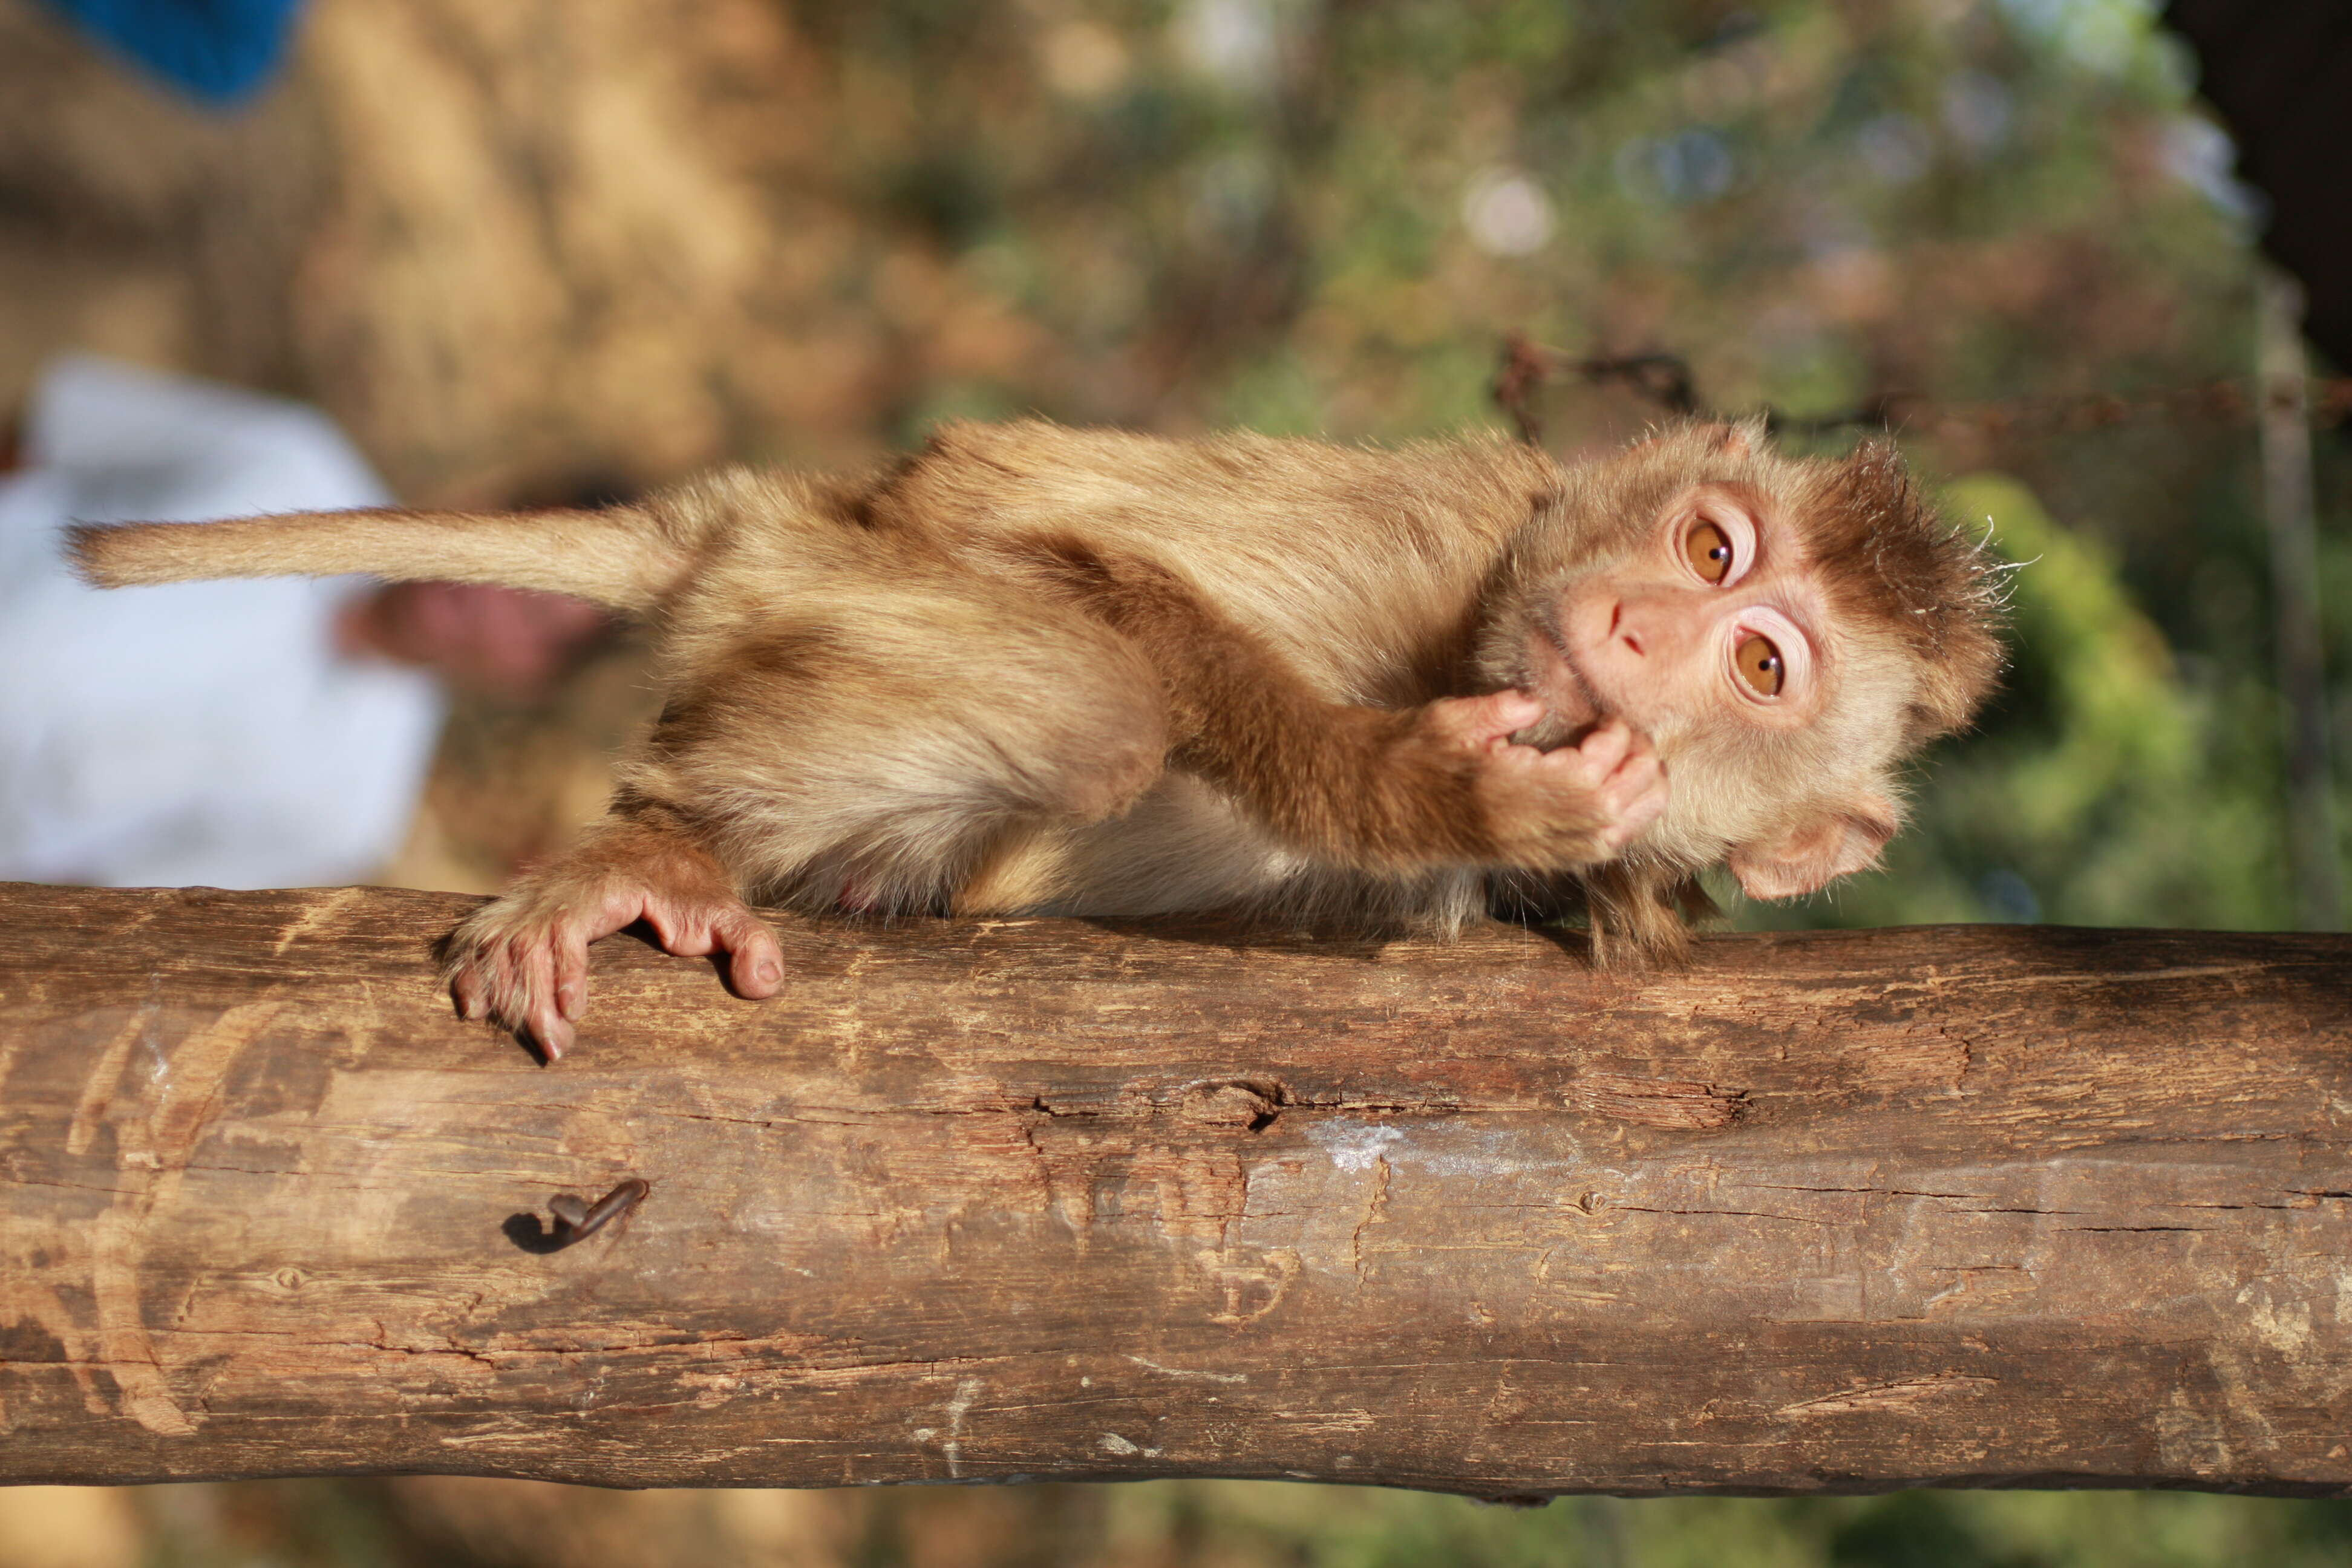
577, 1219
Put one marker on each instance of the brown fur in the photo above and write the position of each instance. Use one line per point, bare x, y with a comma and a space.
1090, 672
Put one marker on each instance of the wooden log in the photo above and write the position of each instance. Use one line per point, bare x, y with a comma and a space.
988, 1201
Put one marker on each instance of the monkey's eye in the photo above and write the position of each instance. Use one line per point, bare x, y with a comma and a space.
1759, 663
1709, 550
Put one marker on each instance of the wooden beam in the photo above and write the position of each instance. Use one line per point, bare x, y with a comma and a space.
988, 1201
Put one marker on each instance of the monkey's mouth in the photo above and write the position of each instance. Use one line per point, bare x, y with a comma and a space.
1573, 707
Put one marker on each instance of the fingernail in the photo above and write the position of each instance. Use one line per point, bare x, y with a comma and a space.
769, 973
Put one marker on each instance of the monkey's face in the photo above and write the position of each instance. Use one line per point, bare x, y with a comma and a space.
1704, 624
1709, 623
1784, 631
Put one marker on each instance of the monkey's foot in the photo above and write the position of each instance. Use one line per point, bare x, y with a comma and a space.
1557, 809
522, 962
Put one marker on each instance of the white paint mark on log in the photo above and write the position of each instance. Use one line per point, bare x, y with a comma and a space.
1353, 1145
967, 1392
1491, 1151
2284, 1326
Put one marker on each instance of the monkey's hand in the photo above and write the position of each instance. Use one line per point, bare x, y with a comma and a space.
522, 960
1555, 810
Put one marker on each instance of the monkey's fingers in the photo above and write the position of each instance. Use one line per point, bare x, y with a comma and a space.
1480, 722
1571, 773
1634, 795
467, 989
548, 1029
619, 909
1575, 805
1606, 747
509, 979
756, 960
530, 966
690, 929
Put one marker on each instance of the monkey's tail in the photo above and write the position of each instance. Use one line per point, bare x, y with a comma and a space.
618, 556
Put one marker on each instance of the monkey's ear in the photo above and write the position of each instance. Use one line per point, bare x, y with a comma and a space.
1743, 437
1816, 849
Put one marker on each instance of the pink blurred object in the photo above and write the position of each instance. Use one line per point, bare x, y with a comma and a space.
512, 641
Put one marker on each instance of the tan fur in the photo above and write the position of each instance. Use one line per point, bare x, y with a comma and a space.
1090, 672
619, 557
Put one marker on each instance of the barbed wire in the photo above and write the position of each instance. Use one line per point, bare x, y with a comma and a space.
1667, 380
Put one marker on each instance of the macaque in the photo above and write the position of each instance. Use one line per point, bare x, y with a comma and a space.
1031, 669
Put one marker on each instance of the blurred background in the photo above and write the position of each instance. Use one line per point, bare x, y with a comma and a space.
522, 251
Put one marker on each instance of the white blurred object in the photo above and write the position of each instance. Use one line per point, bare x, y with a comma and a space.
1236, 42
1507, 212
203, 733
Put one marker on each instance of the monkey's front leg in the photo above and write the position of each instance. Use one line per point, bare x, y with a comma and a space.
1440, 785
522, 959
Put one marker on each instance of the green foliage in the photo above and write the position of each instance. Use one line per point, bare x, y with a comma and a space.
1245, 1525
2106, 787
1259, 1524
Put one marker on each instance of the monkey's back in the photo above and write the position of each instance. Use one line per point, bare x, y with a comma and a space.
1360, 566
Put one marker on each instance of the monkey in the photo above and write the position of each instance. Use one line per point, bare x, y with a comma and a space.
1034, 669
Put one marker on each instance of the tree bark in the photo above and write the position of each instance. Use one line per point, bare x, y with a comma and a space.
986, 1201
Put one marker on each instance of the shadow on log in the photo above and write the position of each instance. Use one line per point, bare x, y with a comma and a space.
982, 1202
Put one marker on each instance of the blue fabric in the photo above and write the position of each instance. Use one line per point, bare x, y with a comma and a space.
216, 51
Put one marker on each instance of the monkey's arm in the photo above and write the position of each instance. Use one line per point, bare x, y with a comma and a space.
1381, 789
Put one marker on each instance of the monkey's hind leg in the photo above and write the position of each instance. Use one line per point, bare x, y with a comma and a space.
878, 747
861, 743
522, 959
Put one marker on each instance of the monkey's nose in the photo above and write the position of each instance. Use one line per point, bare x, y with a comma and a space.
1620, 631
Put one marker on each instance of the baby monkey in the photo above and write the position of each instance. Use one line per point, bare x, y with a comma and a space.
1031, 669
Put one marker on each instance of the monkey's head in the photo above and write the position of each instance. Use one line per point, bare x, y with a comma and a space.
1786, 631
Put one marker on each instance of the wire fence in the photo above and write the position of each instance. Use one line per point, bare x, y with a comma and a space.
1666, 381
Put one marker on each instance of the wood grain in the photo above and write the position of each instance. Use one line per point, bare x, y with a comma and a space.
981, 1201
